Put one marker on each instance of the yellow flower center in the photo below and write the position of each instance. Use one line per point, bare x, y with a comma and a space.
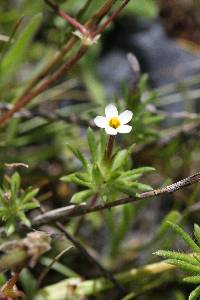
114, 122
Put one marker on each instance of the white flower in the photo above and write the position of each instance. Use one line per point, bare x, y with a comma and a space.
113, 122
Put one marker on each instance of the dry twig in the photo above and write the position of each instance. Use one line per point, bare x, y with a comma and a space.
82, 209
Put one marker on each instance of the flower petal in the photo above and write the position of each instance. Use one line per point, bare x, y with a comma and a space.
111, 111
110, 130
124, 129
100, 121
126, 116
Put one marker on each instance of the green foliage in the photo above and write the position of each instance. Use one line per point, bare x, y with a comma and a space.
189, 262
147, 8
15, 55
14, 203
144, 120
103, 177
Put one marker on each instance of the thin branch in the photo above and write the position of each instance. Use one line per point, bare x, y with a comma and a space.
173, 187
84, 251
47, 269
114, 15
68, 18
43, 86
82, 209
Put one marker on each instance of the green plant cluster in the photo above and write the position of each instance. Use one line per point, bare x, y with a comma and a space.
106, 178
188, 262
15, 202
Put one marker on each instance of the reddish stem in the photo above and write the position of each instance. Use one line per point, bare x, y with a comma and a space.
27, 98
69, 19
110, 19
108, 154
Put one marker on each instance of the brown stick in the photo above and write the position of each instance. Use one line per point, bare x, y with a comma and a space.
82, 209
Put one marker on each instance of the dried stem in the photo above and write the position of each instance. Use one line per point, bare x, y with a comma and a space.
82, 209
9, 290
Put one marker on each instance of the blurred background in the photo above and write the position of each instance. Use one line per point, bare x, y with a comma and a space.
148, 61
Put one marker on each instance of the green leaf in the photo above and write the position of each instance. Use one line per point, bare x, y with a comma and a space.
78, 155
189, 241
143, 83
30, 205
24, 219
130, 177
195, 294
145, 8
197, 233
119, 160
29, 195
185, 266
122, 187
96, 175
29, 283
143, 187
192, 279
174, 217
9, 227
16, 54
75, 179
81, 196
15, 183
142, 170
176, 255
92, 144
101, 146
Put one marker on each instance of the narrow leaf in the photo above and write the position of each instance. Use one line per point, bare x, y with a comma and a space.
197, 233
92, 144
195, 294
16, 54
78, 155
192, 279
176, 255
189, 241
81, 196
119, 160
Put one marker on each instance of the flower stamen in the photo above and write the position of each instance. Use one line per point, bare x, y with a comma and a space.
114, 122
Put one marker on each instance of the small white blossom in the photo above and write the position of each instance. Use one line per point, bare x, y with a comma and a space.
114, 123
